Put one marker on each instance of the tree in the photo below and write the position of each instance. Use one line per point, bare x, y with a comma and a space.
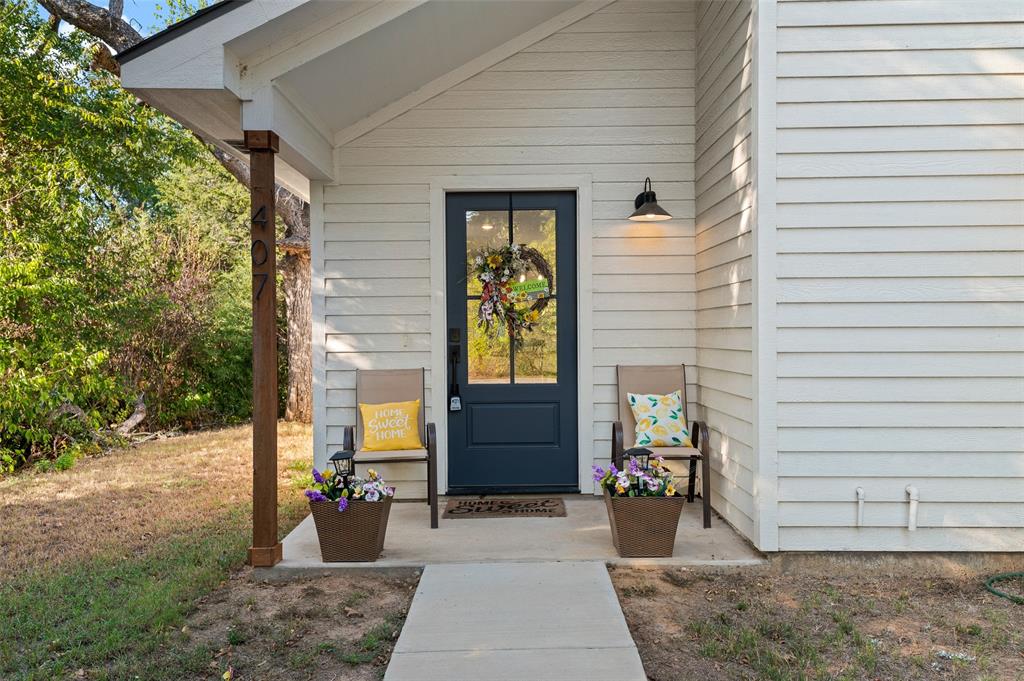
106, 25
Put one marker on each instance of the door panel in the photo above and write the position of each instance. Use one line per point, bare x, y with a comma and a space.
516, 429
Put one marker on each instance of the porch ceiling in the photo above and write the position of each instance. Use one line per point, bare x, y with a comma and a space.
308, 69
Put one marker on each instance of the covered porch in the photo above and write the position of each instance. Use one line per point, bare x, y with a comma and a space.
582, 535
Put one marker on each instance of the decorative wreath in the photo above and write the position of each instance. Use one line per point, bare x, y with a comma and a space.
497, 269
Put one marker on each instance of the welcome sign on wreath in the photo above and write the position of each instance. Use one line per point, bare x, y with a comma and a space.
499, 271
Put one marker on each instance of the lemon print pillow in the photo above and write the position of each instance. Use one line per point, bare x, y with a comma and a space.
390, 427
660, 421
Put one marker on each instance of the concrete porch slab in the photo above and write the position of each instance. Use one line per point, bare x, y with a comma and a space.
583, 535
536, 621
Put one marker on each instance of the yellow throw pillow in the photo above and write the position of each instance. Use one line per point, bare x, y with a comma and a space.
391, 426
660, 421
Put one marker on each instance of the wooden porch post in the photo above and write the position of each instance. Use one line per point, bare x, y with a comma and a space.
266, 549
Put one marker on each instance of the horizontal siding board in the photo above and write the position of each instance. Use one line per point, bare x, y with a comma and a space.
894, 514
901, 138
949, 364
910, 63
895, 164
917, 265
889, 539
918, 389
961, 239
896, 12
627, 41
897, 38
900, 464
894, 489
901, 113
949, 289
888, 315
867, 438
876, 189
942, 339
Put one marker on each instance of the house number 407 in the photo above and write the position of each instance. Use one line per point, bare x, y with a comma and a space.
258, 251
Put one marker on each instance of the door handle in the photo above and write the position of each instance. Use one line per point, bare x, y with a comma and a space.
454, 357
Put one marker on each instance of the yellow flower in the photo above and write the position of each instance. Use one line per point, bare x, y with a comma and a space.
328, 473
655, 463
620, 489
670, 490
372, 473
533, 316
494, 261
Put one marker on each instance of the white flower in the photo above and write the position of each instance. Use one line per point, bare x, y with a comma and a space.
515, 248
479, 260
487, 276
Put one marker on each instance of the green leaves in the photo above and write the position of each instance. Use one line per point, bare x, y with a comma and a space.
120, 265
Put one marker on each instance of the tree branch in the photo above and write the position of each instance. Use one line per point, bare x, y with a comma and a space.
97, 21
108, 26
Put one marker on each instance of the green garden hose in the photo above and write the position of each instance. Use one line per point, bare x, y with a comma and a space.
1005, 577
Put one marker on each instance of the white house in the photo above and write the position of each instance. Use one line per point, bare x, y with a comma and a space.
843, 275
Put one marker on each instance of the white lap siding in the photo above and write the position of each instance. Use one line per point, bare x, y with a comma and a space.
901, 274
723, 252
611, 96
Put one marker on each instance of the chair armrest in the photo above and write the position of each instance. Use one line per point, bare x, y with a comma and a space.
701, 437
618, 449
348, 441
431, 437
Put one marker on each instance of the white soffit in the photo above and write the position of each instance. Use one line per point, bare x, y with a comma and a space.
308, 69
355, 79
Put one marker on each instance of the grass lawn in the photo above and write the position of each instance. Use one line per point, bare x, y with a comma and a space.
130, 566
690, 624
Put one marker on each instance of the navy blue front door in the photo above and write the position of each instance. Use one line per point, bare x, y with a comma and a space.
513, 427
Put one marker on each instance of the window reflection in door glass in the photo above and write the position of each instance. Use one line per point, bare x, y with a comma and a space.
489, 355
484, 229
537, 359
536, 229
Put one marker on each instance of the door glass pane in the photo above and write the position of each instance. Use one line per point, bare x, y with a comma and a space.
537, 359
489, 356
484, 229
536, 229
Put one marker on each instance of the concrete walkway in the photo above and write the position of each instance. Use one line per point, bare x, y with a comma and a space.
515, 622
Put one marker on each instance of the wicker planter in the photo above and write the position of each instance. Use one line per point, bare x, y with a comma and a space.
644, 527
355, 534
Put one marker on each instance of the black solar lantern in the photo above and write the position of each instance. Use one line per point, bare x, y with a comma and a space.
642, 456
647, 208
344, 464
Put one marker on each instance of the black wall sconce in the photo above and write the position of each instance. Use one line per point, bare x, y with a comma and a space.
647, 208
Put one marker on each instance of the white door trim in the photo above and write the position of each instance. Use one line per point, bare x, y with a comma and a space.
583, 186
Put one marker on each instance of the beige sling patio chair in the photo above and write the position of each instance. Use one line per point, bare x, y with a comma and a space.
380, 386
662, 380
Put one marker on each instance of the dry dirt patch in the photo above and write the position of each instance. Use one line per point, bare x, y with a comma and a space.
340, 626
746, 625
125, 501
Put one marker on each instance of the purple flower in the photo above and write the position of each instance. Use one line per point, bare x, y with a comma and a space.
314, 495
598, 473
390, 491
342, 503
613, 470
316, 476
634, 467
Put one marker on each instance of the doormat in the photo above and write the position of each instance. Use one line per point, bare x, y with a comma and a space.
537, 507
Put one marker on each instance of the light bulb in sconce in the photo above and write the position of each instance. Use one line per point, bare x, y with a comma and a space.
487, 226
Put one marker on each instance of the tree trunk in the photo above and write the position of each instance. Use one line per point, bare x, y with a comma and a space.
107, 25
296, 283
